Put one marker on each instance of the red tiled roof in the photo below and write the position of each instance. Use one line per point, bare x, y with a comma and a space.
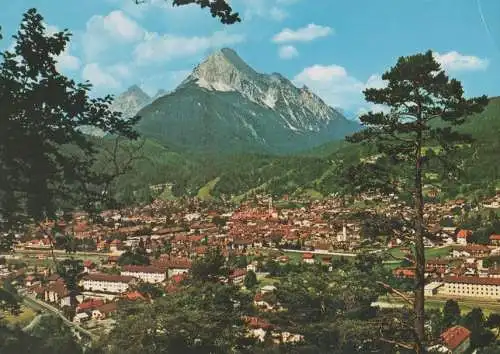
494, 237
473, 280
134, 295
89, 305
464, 233
455, 336
178, 277
142, 269
107, 308
238, 273
257, 322
308, 256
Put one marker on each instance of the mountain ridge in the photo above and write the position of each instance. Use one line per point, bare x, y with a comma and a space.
224, 106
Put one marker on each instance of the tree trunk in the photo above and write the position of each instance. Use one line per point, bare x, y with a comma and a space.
419, 251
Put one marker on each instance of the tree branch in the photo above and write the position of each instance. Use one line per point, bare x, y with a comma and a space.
394, 291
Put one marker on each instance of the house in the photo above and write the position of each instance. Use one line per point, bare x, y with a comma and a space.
456, 339
462, 236
88, 266
57, 293
252, 267
402, 272
495, 240
258, 327
89, 305
472, 250
148, 274
104, 311
268, 289
261, 302
30, 280
174, 265
308, 258
43, 243
81, 317
237, 276
134, 296
99, 282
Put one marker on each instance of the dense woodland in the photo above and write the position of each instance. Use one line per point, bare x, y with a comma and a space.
315, 173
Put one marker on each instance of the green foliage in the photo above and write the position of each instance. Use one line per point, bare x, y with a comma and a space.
9, 299
49, 336
211, 267
476, 323
250, 279
425, 107
135, 257
37, 171
218, 8
451, 313
152, 290
204, 319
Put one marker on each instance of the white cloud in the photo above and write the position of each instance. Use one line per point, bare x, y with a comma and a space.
288, 52
337, 88
104, 32
375, 81
267, 9
50, 29
64, 61
99, 78
454, 61
159, 48
304, 34
67, 62
278, 14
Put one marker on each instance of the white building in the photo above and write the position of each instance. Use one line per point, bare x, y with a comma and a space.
99, 282
147, 274
432, 288
472, 286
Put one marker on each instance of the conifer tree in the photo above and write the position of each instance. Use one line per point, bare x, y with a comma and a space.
425, 107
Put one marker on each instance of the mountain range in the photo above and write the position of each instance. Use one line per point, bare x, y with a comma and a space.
225, 106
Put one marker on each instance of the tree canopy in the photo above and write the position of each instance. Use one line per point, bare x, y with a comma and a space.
218, 8
44, 155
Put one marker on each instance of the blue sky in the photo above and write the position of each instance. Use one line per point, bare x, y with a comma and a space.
336, 47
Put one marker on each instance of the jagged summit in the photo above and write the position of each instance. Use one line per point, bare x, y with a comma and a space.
225, 106
131, 101
225, 71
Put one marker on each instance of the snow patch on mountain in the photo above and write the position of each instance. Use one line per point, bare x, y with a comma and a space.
225, 71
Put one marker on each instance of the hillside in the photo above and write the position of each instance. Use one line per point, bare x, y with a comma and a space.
312, 172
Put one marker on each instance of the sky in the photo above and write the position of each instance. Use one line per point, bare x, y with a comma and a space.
335, 47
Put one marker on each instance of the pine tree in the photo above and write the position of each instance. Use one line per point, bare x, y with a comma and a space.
425, 107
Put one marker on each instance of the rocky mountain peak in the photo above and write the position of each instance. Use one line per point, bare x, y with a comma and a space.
131, 101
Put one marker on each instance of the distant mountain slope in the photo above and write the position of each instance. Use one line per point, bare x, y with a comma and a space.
225, 106
312, 172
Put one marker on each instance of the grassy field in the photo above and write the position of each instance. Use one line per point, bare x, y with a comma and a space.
205, 192
23, 319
